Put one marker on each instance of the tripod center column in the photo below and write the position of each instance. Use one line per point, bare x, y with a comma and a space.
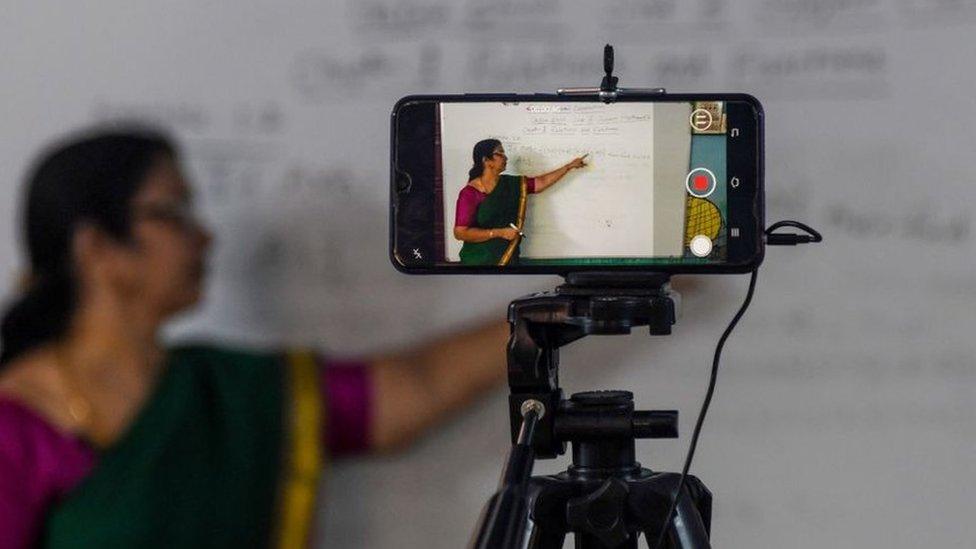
599, 424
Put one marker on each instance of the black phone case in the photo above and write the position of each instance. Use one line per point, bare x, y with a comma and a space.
755, 232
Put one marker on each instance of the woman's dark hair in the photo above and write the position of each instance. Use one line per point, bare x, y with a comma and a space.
482, 149
92, 178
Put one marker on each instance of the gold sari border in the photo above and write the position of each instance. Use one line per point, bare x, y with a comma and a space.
304, 457
523, 200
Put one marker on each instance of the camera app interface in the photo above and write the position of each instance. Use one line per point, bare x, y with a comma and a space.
580, 183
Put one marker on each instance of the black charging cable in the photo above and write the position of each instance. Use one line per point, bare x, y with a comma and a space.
772, 239
791, 239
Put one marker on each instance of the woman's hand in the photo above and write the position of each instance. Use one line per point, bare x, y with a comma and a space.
579, 162
546, 180
507, 233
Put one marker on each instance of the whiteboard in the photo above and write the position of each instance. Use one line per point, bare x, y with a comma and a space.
849, 382
606, 209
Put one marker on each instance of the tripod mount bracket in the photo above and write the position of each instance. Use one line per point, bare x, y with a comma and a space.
593, 303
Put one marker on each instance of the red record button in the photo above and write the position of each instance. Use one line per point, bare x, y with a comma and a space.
700, 182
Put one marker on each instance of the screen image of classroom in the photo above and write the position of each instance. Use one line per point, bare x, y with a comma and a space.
630, 201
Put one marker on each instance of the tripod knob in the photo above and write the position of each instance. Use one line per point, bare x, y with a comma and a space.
601, 513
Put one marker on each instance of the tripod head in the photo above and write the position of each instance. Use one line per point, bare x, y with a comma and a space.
588, 304
605, 496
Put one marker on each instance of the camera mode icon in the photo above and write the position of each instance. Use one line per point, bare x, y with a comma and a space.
701, 119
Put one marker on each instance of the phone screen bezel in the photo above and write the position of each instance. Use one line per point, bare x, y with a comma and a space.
748, 202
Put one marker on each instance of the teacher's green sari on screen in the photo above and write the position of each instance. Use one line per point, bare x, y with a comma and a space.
503, 206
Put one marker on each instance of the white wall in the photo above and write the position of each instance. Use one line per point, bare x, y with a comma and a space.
844, 415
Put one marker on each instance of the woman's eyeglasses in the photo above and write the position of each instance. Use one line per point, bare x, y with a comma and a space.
501, 154
178, 213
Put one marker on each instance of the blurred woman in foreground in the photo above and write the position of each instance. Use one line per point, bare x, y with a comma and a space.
110, 439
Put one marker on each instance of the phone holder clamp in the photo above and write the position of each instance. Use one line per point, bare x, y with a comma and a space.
608, 92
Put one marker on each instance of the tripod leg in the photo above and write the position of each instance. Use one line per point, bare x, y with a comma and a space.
546, 539
669, 541
505, 519
584, 541
688, 528
685, 532
687, 525
547, 512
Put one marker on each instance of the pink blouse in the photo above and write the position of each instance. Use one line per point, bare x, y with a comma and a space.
470, 198
40, 464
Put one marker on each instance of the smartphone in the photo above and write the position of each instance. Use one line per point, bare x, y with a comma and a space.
553, 184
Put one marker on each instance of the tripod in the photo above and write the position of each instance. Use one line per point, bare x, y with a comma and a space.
605, 498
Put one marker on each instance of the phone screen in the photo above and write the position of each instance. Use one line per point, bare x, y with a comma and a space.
553, 186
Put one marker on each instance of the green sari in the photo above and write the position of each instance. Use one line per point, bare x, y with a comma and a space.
226, 453
505, 204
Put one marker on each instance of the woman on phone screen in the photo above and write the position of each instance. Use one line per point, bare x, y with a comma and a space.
490, 210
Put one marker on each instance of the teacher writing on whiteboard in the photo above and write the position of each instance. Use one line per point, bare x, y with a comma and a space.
490, 210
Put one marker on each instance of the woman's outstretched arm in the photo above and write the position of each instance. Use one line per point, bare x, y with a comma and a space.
546, 180
416, 389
